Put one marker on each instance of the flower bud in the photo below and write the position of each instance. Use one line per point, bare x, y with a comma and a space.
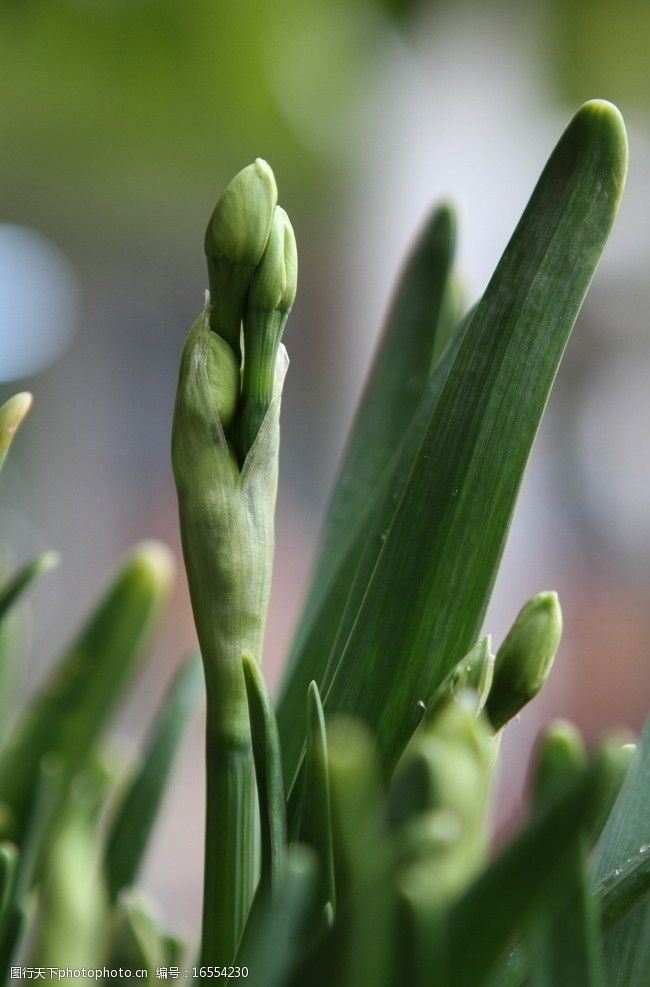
239, 226
525, 658
234, 243
561, 756
270, 298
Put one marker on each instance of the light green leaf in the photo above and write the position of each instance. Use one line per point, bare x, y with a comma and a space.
316, 808
68, 714
137, 811
268, 774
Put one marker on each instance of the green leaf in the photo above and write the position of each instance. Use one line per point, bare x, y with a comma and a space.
359, 948
137, 811
14, 588
316, 808
620, 891
271, 944
268, 774
524, 874
423, 313
426, 598
626, 832
69, 713
136, 940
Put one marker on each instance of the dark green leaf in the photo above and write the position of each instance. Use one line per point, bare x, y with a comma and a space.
423, 313
429, 589
627, 831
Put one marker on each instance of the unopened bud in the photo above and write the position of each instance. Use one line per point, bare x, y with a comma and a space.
234, 243
525, 658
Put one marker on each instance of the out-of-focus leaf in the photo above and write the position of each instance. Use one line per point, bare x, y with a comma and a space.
627, 886
13, 589
429, 589
421, 318
136, 942
68, 714
626, 833
271, 943
72, 920
359, 947
524, 873
12, 413
136, 814
268, 774
316, 828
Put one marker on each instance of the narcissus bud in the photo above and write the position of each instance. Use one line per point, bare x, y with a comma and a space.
525, 658
234, 243
561, 756
270, 299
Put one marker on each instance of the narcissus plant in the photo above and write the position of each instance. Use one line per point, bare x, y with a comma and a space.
347, 833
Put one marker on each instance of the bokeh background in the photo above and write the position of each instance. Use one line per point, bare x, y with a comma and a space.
121, 121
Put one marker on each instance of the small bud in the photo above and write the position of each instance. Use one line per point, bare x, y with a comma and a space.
525, 658
473, 672
273, 287
561, 756
234, 243
239, 226
270, 298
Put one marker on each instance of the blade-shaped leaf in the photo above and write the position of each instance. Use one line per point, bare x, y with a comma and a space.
69, 713
271, 944
424, 311
138, 809
427, 596
627, 831
268, 774
316, 809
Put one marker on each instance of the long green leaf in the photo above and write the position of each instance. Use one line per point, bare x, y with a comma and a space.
138, 809
271, 944
268, 774
626, 833
68, 714
524, 873
316, 810
427, 596
423, 313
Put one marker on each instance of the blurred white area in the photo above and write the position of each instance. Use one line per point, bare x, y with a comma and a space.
39, 302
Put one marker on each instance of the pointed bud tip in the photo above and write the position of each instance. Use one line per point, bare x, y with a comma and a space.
157, 560
240, 224
274, 283
14, 411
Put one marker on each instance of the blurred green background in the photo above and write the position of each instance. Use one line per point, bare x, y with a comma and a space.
121, 122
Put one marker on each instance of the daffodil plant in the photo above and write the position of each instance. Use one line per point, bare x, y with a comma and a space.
347, 828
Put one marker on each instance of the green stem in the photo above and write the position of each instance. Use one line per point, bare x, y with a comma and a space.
230, 870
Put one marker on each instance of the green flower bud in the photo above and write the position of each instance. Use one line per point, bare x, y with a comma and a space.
473, 672
561, 756
234, 243
438, 803
239, 226
270, 299
525, 658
